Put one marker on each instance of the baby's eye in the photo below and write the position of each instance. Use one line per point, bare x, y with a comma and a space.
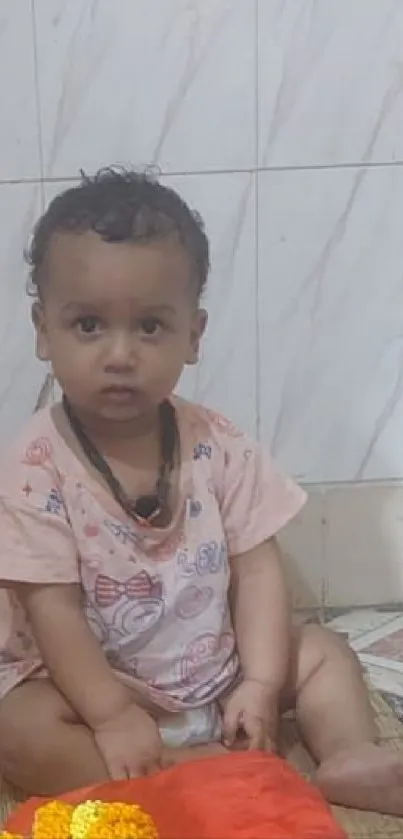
88, 325
151, 327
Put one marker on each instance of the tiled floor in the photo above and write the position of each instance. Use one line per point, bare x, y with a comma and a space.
377, 638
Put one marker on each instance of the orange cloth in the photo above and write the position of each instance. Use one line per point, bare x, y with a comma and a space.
245, 795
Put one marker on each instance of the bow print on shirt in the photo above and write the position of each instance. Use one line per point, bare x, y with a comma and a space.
109, 591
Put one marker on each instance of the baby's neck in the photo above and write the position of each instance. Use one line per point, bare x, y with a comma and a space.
108, 434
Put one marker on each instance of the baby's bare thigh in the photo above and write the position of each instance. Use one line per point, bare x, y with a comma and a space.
29, 717
311, 647
45, 749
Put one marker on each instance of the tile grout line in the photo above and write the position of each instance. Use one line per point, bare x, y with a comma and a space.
38, 105
256, 230
397, 164
324, 592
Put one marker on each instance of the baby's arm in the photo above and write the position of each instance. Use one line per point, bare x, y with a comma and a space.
125, 735
39, 561
256, 502
71, 652
262, 614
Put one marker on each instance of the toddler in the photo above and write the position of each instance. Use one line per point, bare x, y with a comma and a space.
144, 615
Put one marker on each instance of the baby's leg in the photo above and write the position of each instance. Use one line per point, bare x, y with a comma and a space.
44, 749
336, 720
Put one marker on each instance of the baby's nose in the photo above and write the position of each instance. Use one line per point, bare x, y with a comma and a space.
122, 352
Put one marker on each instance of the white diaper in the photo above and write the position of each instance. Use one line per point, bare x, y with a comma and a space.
193, 727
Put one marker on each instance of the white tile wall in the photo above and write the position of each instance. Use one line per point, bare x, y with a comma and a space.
20, 373
161, 81
225, 377
302, 544
282, 122
331, 332
363, 542
330, 82
19, 141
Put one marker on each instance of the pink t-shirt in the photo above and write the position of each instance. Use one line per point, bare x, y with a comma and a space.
157, 599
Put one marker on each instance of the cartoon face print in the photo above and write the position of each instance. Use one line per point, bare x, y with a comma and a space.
205, 647
135, 624
197, 653
216, 652
192, 601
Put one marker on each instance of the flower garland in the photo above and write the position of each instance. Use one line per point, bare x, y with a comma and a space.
91, 820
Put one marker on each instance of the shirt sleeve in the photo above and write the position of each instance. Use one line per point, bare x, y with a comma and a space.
257, 498
37, 542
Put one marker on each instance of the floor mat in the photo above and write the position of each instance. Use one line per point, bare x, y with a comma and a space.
356, 824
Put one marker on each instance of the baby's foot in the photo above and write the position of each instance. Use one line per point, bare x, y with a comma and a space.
170, 757
368, 777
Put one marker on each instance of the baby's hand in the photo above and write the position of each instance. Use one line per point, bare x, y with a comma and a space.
251, 714
129, 743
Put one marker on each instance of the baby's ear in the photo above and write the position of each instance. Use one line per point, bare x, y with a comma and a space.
197, 331
38, 319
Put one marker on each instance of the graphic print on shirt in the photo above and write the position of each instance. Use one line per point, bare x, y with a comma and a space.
109, 591
209, 558
131, 610
122, 532
38, 452
202, 450
192, 601
195, 508
54, 502
206, 652
96, 621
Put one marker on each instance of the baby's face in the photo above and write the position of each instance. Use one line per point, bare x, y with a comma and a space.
118, 321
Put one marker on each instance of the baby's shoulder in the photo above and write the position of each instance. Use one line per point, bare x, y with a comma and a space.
37, 448
210, 426
215, 441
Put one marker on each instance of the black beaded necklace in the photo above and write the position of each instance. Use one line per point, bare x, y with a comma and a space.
145, 507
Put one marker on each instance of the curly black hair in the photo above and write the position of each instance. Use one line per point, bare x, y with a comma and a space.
121, 205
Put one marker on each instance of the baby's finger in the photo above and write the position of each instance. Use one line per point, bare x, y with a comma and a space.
230, 725
136, 768
151, 767
255, 730
271, 733
117, 770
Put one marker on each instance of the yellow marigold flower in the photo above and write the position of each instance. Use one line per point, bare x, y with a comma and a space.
4, 834
112, 821
91, 820
83, 817
52, 821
